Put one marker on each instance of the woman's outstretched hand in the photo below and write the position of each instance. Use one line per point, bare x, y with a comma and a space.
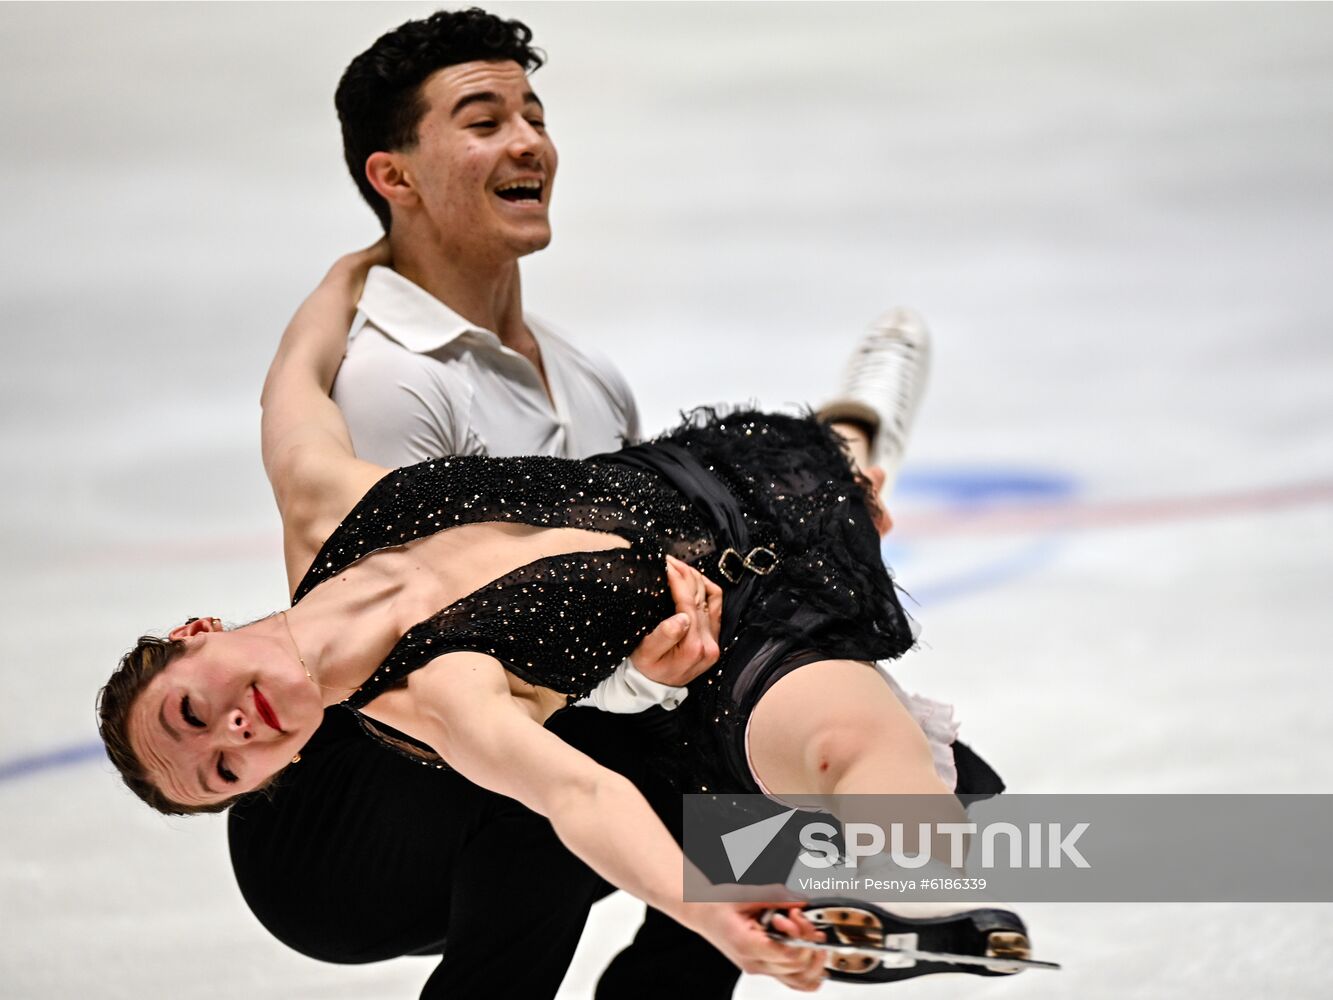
685, 645
735, 930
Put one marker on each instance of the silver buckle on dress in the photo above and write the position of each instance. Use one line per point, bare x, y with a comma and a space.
760, 561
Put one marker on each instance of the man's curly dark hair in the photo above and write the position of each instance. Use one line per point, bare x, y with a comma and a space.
379, 98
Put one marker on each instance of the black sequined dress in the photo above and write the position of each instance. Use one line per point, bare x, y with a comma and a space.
765, 505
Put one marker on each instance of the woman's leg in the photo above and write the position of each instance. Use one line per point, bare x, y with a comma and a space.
882, 391
834, 727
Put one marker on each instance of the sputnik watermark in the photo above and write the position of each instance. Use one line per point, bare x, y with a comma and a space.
866, 840
1103, 848
1048, 845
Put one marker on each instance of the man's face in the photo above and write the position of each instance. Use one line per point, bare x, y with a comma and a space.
483, 165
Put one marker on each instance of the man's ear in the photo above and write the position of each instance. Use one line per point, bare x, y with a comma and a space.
388, 175
194, 626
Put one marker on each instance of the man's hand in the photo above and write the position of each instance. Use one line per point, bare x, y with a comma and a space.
734, 929
685, 645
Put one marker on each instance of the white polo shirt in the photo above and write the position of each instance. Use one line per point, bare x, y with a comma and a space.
419, 381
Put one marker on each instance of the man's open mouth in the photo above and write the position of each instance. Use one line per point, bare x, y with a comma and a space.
521, 191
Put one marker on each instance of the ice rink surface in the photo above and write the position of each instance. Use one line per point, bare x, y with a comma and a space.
1118, 508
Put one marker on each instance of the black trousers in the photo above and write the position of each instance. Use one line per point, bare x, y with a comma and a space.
360, 855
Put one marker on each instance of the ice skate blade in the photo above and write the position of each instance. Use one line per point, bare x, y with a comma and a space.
903, 957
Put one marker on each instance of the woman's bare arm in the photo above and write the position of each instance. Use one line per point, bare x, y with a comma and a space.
461, 704
315, 475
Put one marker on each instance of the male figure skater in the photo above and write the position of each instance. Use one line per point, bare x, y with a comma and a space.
446, 140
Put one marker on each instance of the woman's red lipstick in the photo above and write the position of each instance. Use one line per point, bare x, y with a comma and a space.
265, 710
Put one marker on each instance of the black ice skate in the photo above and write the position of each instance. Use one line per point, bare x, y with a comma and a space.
870, 944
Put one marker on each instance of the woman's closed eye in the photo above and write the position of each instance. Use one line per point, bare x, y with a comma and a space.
225, 774
190, 718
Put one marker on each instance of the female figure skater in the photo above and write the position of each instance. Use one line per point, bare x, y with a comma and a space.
461, 602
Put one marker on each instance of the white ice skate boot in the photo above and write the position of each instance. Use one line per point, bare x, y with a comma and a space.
884, 385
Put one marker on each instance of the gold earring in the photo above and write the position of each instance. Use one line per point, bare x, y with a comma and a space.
296, 759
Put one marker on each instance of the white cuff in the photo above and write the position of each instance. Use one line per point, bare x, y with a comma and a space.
628, 691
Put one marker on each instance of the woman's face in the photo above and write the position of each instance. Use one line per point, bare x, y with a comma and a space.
225, 715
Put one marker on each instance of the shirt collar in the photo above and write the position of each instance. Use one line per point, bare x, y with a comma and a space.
407, 313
